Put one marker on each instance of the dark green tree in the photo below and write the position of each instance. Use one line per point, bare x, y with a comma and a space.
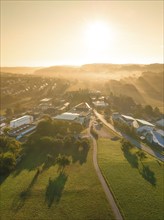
157, 112
148, 110
62, 162
7, 163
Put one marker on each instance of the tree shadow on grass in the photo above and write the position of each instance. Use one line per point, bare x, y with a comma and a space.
31, 161
159, 163
134, 159
148, 175
19, 201
80, 154
55, 188
77, 152
3, 177
50, 161
115, 138
35, 158
131, 158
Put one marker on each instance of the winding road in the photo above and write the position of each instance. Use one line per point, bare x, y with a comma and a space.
132, 140
107, 191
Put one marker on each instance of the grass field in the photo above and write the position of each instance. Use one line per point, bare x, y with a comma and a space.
137, 183
75, 194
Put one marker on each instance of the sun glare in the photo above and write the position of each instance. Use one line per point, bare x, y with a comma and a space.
98, 35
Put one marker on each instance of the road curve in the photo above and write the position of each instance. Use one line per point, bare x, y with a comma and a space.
108, 193
132, 140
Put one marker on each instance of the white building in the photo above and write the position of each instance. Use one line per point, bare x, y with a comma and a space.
82, 118
68, 116
26, 119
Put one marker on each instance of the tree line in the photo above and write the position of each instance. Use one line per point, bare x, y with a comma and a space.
126, 105
10, 149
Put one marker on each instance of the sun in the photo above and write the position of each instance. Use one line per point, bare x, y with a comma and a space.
98, 35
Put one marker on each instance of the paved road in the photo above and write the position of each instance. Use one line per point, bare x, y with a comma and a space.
108, 193
132, 140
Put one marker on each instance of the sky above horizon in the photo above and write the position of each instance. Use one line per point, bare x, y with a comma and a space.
46, 33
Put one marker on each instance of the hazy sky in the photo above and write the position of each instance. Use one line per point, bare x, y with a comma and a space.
44, 33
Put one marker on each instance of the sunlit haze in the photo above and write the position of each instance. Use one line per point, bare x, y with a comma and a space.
45, 33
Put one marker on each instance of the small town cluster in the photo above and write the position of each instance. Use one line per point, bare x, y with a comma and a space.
152, 133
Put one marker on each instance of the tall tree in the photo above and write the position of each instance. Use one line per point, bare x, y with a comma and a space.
62, 162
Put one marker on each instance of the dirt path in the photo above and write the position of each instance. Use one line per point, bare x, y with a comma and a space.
103, 132
107, 191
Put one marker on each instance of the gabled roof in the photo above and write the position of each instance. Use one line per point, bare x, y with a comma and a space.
126, 117
143, 122
83, 105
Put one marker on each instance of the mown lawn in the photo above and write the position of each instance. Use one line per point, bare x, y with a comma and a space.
136, 183
75, 194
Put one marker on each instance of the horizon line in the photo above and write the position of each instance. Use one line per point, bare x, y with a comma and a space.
70, 65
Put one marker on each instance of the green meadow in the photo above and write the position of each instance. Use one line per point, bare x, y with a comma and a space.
136, 180
75, 193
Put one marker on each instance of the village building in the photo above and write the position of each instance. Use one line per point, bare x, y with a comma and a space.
63, 108
156, 137
45, 104
26, 119
100, 104
2, 118
78, 114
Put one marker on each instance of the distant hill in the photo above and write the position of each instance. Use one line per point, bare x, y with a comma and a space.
107, 69
58, 70
19, 70
148, 88
144, 83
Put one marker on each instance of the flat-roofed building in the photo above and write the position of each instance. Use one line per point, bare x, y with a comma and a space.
26, 119
82, 118
22, 130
